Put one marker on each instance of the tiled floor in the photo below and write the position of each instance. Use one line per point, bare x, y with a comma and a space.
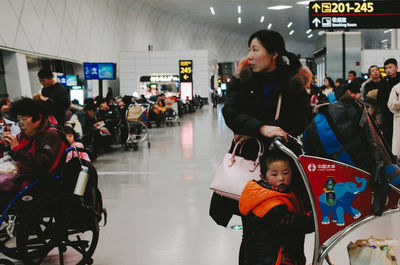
158, 198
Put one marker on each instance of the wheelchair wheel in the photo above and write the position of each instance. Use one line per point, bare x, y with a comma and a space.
58, 228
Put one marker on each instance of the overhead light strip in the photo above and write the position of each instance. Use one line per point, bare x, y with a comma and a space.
303, 3
290, 24
239, 20
239, 9
269, 26
309, 36
279, 7
212, 10
262, 19
291, 32
308, 31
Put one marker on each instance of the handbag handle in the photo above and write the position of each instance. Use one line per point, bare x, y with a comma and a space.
260, 153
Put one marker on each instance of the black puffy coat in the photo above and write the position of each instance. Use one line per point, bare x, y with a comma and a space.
245, 111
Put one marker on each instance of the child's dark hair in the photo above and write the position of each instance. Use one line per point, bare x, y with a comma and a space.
271, 156
69, 130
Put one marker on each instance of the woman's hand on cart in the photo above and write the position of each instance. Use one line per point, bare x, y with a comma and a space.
273, 131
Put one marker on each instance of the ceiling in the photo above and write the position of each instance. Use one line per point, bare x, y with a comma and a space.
226, 17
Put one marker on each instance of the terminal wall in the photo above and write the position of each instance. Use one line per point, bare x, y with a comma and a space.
134, 64
377, 57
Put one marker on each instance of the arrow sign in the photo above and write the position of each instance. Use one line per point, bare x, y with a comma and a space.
185, 76
316, 7
316, 21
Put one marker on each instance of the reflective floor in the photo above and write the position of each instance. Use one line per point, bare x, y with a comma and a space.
158, 198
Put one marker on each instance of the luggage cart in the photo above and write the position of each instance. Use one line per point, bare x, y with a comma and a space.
137, 119
340, 197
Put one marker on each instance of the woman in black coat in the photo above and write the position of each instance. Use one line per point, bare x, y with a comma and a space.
253, 95
269, 78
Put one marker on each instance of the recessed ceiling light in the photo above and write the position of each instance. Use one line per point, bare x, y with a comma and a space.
239, 9
239, 20
291, 32
269, 26
308, 31
309, 36
212, 10
290, 24
262, 19
280, 7
303, 2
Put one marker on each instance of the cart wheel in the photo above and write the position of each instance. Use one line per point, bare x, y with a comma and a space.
148, 145
135, 147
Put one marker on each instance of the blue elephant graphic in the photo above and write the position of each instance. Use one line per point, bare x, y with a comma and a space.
345, 193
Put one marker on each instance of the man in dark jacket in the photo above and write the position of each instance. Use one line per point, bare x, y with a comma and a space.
57, 95
392, 78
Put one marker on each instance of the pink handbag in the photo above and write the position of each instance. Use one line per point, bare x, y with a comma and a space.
234, 173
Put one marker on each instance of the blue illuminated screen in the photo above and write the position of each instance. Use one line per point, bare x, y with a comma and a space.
99, 70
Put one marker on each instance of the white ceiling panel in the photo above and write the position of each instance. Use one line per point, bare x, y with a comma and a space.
17, 6
31, 24
8, 23
21, 41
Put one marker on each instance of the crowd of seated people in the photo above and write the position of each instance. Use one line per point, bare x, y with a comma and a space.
97, 125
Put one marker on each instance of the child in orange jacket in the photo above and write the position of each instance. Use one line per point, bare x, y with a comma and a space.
274, 221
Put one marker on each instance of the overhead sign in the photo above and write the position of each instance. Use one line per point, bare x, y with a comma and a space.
186, 70
354, 14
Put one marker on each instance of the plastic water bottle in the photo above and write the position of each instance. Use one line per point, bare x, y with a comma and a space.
82, 181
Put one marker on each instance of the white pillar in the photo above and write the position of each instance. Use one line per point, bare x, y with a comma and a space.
395, 36
16, 75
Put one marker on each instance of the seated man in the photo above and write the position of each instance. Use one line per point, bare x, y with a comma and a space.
39, 148
107, 118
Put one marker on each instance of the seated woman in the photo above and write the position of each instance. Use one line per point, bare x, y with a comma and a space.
39, 148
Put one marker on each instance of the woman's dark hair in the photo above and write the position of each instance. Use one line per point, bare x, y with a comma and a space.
273, 42
331, 83
271, 156
29, 107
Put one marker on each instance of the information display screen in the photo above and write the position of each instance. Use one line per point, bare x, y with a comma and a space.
354, 14
99, 70
68, 80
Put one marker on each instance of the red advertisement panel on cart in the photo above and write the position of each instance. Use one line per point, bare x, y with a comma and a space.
342, 194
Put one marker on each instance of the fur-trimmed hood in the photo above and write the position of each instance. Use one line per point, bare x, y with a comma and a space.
288, 79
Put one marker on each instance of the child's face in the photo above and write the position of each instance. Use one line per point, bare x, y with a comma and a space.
70, 138
279, 174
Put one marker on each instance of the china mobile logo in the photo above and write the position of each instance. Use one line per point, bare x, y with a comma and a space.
312, 167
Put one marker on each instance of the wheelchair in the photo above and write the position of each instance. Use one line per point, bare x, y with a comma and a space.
46, 220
